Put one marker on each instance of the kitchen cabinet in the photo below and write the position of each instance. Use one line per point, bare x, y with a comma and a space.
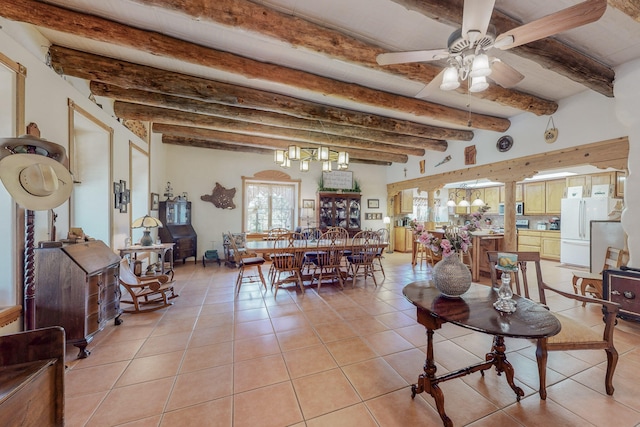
534, 198
545, 242
519, 196
176, 218
77, 288
554, 192
403, 203
480, 245
588, 181
550, 245
621, 177
403, 239
528, 241
339, 210
492, 199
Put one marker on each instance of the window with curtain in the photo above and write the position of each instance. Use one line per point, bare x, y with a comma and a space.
269, 205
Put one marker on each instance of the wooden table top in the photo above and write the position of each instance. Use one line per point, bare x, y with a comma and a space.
270, 245
474, 310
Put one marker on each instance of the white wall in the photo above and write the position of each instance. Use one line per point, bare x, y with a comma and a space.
196, 170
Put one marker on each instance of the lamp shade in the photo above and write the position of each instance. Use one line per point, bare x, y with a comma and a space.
386, 220
146, 222
480, 67
478, 84
450, 79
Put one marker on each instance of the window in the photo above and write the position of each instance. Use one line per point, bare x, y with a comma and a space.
269, 205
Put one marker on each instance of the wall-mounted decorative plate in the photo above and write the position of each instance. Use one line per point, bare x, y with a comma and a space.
504, 143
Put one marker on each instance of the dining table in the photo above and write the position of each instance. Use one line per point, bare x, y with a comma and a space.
474, 310
270, 246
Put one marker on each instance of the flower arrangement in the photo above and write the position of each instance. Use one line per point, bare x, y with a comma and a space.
416, 227
476, 218
451, 242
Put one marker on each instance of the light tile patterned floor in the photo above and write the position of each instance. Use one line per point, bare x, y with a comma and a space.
340, 358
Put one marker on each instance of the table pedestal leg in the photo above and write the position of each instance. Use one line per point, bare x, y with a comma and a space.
428, 382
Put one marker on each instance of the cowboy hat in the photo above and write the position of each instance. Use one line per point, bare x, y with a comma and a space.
34, 172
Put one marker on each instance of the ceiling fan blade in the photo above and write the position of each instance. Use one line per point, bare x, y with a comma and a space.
563, 20
505, 75
431, 87
476, 15
412, 56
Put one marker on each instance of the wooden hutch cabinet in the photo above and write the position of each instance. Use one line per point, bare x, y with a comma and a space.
77, 288
176, 220
339, 210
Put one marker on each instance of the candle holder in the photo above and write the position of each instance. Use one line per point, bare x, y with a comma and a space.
507, 263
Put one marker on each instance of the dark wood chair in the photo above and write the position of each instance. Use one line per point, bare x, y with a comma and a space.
146, 293
574, 335
364, 248
32, 378
327, 262
591, 283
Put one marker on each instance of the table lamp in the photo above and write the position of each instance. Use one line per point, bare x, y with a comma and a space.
147, 222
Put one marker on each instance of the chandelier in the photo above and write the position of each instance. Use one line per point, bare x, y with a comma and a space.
464, 203
470, 66
307, 155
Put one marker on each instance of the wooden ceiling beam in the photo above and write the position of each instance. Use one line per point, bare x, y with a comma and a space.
148, 113
549, 52
194, 142
103, 30
262, 117
305, 34
631, 8
613, 153
132, 76
272, 143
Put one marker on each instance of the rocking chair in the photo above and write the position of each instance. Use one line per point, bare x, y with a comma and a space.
153, 291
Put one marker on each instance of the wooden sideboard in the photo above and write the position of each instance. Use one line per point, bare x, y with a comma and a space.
176, 218
76, 287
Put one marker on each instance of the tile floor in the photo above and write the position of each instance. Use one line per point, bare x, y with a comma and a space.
340, 358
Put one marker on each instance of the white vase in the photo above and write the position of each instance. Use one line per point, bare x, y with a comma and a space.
451, 277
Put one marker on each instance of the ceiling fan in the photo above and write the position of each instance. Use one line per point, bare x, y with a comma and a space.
467, 47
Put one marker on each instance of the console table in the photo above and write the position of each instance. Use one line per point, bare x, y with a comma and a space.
474, 310
160, 249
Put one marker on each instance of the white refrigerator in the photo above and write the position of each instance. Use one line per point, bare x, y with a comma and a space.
575, 230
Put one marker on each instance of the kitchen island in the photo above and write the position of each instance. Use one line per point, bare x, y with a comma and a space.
482, 242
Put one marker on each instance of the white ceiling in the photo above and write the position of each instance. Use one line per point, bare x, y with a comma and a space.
613, 40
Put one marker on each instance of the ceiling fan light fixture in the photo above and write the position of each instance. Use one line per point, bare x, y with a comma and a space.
478, 84
278, 156
294, 152
450, 79
326, 166
304, 165
480, 67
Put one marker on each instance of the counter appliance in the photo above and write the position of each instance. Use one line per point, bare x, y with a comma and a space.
575, 233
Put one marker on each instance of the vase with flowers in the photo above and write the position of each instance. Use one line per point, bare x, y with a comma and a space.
450, 275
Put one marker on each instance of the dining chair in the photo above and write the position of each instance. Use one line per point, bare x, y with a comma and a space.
327, 259
591, 283
244, 260
288, 258
574, 335
145, 293
364, 248
383, 234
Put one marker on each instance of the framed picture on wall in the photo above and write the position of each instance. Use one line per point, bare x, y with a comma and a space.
154, 205
116, 195
373, 203
308, 204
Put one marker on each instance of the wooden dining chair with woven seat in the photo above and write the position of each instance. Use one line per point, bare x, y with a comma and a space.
574, 334
327, 259
364, 248
146, 293
244, 260
591, 283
